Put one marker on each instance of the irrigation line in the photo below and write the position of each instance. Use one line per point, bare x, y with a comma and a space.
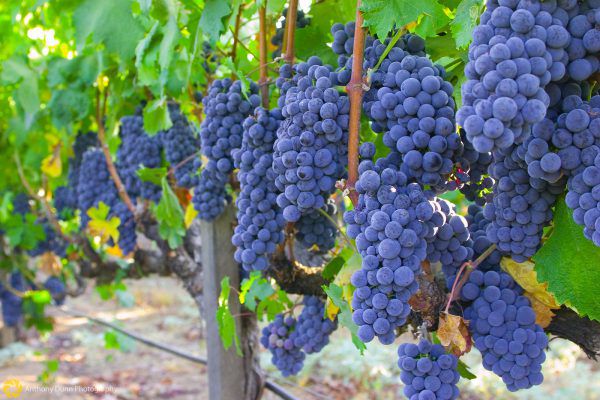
270, 385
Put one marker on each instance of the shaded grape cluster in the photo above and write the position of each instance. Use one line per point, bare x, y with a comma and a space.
181, 144
226, 107
310, 153
472, 173
260, 221
302, 21
21, 204
313, 327
278, 338
138, 150
57, 289
12, 305
316, 229
52, 242
504, 330
428, 372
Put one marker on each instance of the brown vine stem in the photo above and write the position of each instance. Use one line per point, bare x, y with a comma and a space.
100, 113
290, 31
459, 281
262, 39
41, 199
236, 31
355, 93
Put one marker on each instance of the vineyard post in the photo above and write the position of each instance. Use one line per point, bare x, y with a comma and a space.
229, 375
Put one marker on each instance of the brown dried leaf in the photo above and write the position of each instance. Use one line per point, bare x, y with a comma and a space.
543, 313
454, 335
49, 263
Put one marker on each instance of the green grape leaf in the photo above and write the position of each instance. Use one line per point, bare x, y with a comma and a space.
274, 304
109, 22
432, 22
312, 39
156, 116
170, 216
153, 175
463, 370
570, 264
381, 16
335, 293
214, 17
467, 14
253, 288
225, 320
336, 263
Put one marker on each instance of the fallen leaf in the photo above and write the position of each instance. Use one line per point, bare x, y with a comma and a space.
454, 334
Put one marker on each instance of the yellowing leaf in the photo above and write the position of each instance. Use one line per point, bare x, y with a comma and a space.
49, 263
190, 215
453, 334
543, 313
526, 277
52, 140
331, 309
115, 251
52, 165
100, 226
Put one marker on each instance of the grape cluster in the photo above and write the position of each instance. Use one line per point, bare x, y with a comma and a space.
57, 289
428, 372
474, 183
313, 328
503, 326
310, 153
315, 229
94, 183
52, 242
12, 305
518, 48
415, 110
181, 143
226, 107
584, 46
583, 197
564, 96
479, 241
127, 233
64, 199
260, 221
95, 186
21, 204
138, 150
277, 40
277, 337
450, 244
558, 149
391, 222
521, 206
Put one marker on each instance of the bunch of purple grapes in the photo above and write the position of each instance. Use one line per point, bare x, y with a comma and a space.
428, 372
278, 338
311, 147
52, 242
583, 197
226, 107
504, 330
313, 328
12, 305
137, 150
260, 222
560, 148
391, 222
57, 289
521, 207
518, 48
316, 229
181, 146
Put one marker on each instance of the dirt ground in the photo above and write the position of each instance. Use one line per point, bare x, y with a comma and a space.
160, 310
